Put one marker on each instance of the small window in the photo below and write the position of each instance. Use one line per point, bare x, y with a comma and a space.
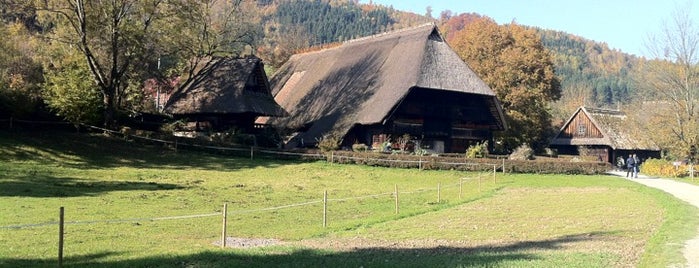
582, 129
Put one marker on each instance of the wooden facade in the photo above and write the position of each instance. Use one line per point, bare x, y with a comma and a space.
602, 134
581, 126
440, 121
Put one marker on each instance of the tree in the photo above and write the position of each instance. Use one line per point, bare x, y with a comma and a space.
672, 81
69, 90
20, 74
123, 42
514, 63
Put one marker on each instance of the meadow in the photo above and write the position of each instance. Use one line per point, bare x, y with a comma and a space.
136, 205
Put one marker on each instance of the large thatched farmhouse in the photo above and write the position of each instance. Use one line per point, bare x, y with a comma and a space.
232, 92
369, 89
603, 133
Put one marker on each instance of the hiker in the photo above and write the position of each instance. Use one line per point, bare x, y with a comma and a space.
630, 165
636, 166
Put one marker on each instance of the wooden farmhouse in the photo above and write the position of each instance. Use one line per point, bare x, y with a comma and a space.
384, 86
232, 92
603, 133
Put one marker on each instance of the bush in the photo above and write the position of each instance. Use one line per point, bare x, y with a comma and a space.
329, 143
664, 168
475, 164
523, 152
479, 150
360, 147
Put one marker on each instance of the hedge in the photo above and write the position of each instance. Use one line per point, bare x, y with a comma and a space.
452, 162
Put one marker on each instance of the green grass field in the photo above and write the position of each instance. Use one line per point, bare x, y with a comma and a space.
135, 205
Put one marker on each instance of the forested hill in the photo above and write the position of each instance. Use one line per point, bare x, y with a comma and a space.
591, 70
293, 25
590, 73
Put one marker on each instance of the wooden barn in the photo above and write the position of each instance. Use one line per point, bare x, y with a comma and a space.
384, 86
231, 92
603, 133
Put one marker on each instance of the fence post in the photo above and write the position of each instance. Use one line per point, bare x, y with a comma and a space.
325, 208
395, 191
419, 163
225, 220
503, 166
252, 149
495, 172
60, 236
332, 155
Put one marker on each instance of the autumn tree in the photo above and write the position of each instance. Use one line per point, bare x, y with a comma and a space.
514, 63
20, 74
671, 85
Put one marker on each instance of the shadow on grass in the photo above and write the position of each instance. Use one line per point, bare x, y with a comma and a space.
98, 151
478, 256
47, 186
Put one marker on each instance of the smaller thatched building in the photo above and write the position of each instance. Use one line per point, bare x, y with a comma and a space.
368, 90
228, 92
603, 133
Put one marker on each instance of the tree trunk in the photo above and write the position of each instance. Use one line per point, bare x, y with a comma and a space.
109, 109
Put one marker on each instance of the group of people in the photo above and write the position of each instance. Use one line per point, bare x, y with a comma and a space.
632, 164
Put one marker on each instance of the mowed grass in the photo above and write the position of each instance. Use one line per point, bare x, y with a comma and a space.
135, 205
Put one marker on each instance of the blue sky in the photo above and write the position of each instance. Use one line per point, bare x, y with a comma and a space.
622, 24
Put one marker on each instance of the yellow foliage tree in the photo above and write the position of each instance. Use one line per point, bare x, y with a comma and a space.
514, 63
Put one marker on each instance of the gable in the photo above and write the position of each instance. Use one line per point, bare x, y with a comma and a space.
581, 126
593, 126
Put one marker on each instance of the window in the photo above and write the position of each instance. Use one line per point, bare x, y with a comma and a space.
582, 129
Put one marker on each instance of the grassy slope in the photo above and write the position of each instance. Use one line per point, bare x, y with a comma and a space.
520, 220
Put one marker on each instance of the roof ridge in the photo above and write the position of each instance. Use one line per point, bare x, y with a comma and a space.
389, 33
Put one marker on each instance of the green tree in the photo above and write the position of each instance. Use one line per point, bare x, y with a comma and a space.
69, 90
514, 63
123, 42
110, 35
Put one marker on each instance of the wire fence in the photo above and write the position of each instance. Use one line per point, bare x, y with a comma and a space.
480, 178
61, 223
254, 152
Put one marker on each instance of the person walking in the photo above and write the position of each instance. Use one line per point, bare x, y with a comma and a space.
636, 166
630, 166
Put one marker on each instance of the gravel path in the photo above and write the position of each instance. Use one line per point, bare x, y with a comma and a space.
683, 191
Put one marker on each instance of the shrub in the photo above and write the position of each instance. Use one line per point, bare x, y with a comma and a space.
523, 152
329, 143
479, 150
360, 147
664, 168
476, 164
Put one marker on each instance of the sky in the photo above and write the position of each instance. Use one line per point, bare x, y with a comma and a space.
622, 24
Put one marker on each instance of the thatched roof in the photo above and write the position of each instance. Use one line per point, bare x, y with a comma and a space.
615, 131
227, 86
364, 80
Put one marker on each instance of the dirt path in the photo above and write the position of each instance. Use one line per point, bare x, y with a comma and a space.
683, 191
